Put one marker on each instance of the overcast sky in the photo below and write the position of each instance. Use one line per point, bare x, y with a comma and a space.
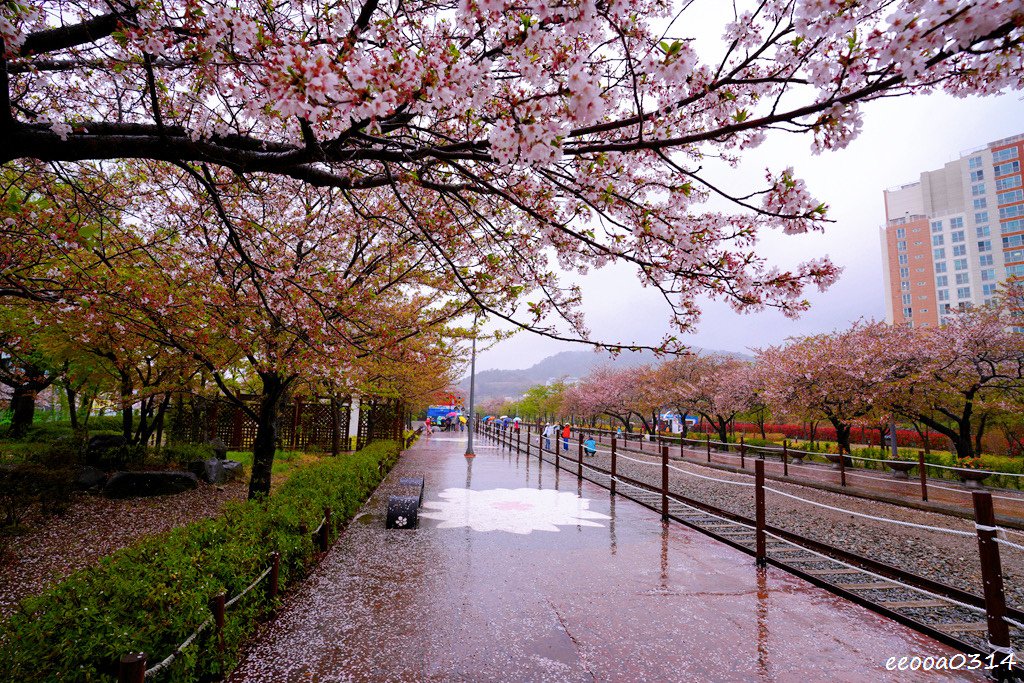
901, 138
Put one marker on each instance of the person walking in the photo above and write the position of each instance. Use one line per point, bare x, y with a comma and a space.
426, 426
549, 430
566, 433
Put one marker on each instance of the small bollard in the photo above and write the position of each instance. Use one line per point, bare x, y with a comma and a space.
991, 578
403, 512
708, 441
325, 531
132, 668
743, 454
785, 458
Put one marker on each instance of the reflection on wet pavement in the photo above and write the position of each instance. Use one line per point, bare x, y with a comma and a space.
512, 576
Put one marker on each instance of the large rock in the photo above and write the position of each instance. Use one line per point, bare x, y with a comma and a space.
220, 449
89, 477
232, 469
214, 471
138, 484
100, 444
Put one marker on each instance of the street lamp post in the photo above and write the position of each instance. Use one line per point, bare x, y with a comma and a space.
472, 396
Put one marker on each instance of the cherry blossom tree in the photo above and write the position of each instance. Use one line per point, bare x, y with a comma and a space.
549, 133
715, 387
962, 374
838, 376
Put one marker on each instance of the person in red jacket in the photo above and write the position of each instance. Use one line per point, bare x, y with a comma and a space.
566, 432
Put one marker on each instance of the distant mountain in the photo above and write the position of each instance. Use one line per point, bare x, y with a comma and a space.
567, 364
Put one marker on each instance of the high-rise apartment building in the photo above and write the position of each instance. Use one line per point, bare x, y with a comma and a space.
954, 235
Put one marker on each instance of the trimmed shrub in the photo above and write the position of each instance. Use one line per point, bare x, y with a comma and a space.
151, 596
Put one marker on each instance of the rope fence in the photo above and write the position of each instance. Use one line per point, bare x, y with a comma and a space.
132, 667
999, 618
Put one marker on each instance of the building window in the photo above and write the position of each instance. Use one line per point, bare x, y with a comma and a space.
980, 203
904, 273
942, 281
955, 223
922, 297
985, 260
963, 279
959, 250
937, 240
908, 312
943, 295
988, 290
918, 270
1015, 271
963, 292
977, 175
917, 257
1014, 241
978, 190
974, 162
1007, 169
936, 226
901, 245
905, 286
1010, 197
940, 267
1011, 226
988, 275
1011, 211
1007, 183
918, 243
901, 233
960, 264
981, 217
983, 231
985, 245
938, 254
957, 236
906, 299
1004, 155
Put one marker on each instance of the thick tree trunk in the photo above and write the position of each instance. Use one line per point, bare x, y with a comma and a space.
23, 410
70, 394
265, 444
126, 407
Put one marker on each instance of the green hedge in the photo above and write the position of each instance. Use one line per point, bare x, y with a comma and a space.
151, 596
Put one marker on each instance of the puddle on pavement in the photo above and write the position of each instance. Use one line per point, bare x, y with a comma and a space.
370, 519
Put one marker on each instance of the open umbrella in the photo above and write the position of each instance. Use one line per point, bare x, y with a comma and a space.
503, 417
517, 419
452, 414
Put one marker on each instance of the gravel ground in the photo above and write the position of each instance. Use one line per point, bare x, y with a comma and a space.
939, 556
94, 527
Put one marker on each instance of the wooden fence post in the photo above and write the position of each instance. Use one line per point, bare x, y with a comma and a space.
743, 454
614, 448
991, 574
923, 471
785, 458
217, 607
519, 439
579, 455
842, 467
275, 575
132, 668
664, 482
760, 551
529, 433
708, 442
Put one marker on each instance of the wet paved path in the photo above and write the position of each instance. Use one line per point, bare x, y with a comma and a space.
487, 589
